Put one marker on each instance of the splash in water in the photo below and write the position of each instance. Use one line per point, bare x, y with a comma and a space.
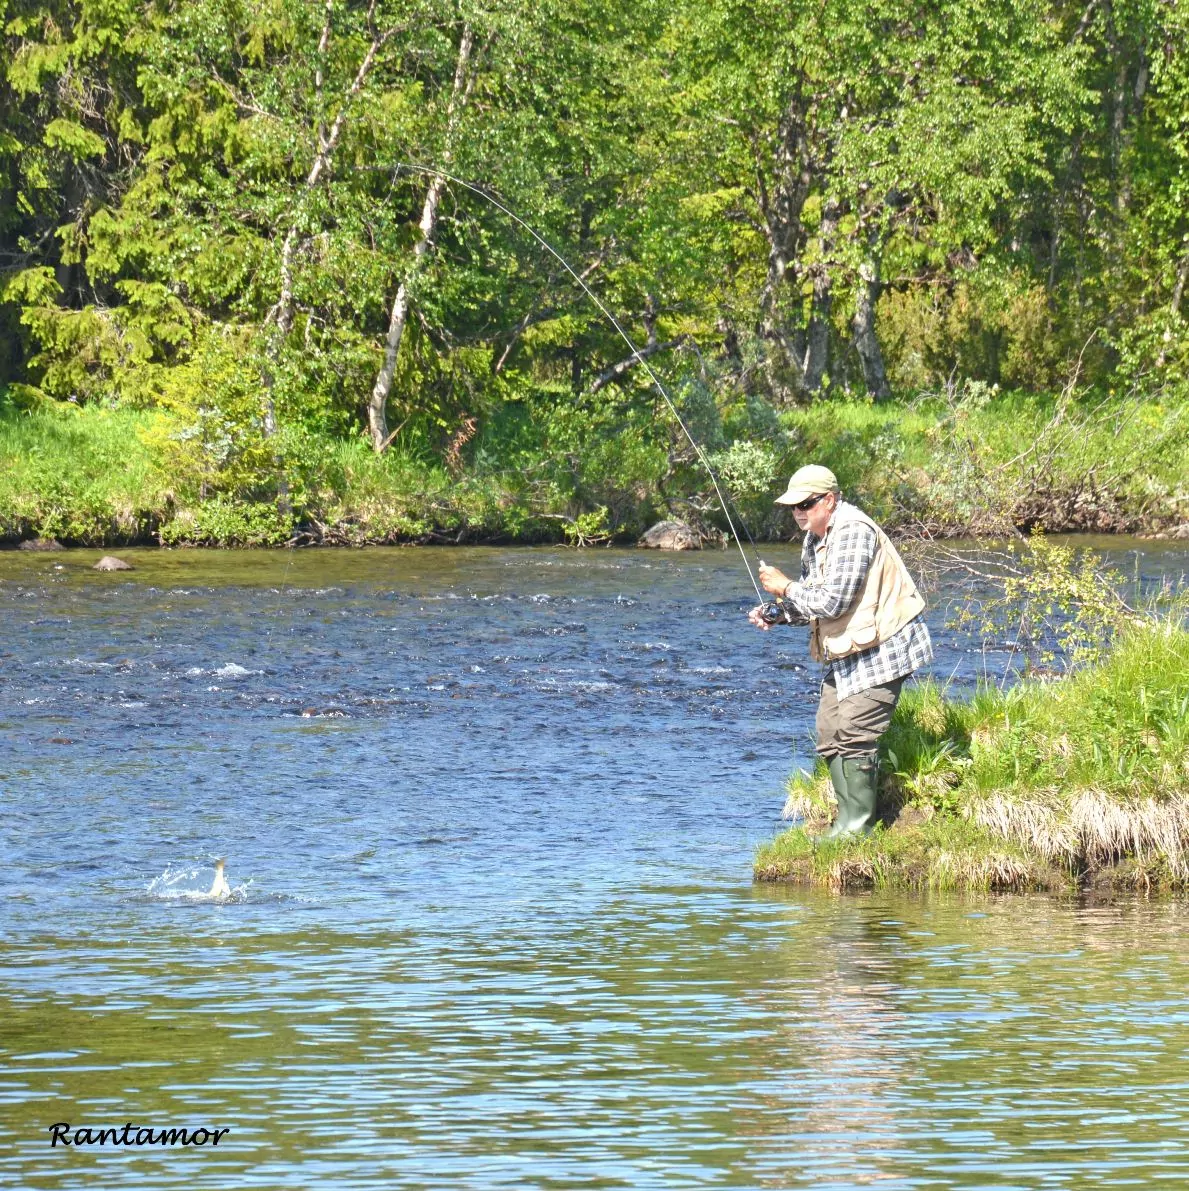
219, 887
188, 884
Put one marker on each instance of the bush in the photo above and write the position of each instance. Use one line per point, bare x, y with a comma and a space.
221, 522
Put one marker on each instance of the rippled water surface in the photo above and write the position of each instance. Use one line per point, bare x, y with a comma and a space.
488, 818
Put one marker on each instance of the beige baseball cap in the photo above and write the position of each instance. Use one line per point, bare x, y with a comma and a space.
807, 481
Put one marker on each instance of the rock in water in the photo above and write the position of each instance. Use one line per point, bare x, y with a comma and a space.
1178, 533
671, 535
41, 544
109, 562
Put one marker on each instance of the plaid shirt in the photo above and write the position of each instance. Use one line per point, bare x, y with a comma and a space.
852, 551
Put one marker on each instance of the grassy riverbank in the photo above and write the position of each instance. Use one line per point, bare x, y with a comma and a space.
1078, 782
976, 463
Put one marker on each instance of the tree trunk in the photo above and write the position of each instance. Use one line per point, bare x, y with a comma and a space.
377, 405
1179, 288
281, 315
817, 346
1125, 108
68, 276
866, 343
282, 312
782, 366
577, 352
1174, 307
781, 204
1127, 138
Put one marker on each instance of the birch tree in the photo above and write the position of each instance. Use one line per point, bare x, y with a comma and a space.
840, 128
464, 77
326, 142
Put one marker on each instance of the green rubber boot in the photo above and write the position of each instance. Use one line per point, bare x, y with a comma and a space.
838, 781
861, 775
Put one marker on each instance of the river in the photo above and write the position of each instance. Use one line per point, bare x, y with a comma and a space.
488, 818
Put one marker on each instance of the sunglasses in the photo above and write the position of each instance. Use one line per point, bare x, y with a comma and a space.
805, 505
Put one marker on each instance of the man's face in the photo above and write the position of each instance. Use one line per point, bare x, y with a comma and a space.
817, 518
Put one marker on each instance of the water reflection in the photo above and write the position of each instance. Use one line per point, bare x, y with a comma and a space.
683, 1035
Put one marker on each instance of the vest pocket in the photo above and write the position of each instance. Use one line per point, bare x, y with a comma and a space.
863, 636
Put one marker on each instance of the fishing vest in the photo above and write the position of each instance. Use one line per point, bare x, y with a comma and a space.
886, 602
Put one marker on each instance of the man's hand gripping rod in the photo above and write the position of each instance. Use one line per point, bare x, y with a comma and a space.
771, 611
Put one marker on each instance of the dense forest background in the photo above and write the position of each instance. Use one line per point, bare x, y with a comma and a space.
245, 293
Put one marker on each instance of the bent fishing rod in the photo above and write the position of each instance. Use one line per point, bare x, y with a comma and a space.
435, 171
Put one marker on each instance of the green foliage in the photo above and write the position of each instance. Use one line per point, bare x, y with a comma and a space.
207, 210
748, 469
601, 456
73, 139
749, 472
588, 529
210, 430
999, 330
1057, 604
220, 522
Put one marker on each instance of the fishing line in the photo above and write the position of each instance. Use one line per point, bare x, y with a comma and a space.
495, 202
279, 610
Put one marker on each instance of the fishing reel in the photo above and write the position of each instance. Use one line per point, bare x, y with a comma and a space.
773, 613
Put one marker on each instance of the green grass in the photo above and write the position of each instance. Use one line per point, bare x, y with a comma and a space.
1084, 780
933, 854
81, 475
985, 462
91, 476
980, 463
402, 496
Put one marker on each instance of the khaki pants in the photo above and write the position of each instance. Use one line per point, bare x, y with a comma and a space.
852, 727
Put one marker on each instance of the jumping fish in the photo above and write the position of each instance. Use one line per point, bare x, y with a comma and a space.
219, 886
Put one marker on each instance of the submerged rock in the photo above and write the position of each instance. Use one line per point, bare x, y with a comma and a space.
109, 562
671, 535
41, 544
1178, 533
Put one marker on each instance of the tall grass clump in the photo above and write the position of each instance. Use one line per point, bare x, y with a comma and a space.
1094, 770
1083, 780
83, 475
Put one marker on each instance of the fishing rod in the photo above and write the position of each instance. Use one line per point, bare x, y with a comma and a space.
435, 171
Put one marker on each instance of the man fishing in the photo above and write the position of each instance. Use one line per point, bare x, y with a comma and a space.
865, 625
